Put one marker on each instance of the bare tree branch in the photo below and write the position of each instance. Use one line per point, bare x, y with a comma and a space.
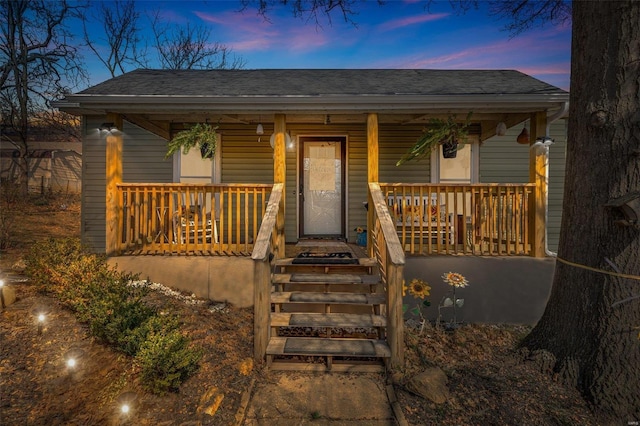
309, 10
125, 46
526, 14
188, 47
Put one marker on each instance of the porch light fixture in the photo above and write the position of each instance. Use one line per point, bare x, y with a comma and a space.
288, 141
501, 129
108, 127
259, 131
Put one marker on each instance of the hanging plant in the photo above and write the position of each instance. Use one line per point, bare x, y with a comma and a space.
200, 135
439, 132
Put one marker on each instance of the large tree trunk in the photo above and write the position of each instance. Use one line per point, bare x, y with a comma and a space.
594, 340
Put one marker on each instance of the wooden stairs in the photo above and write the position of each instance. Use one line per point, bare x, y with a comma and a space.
327, 317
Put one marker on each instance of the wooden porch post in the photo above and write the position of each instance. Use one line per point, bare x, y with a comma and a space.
538, 175
372, 171
113, 177
280, 176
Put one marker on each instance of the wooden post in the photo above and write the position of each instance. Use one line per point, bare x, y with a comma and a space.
280, 176
261, 307
113, 178
372, 171
395, 321
538, 175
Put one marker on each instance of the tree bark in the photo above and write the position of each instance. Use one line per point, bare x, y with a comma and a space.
595, 340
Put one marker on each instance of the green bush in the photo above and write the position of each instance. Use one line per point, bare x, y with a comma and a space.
115, 311
55, 264
166, 360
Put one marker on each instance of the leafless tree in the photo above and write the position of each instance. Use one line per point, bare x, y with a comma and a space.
38, 64
122, 46
189, 47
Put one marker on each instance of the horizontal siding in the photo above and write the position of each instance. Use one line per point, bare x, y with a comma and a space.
93, 216
245, 160
503, 160
142, 161
557, 168
395, 141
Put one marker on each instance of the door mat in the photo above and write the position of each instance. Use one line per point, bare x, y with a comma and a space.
334, 258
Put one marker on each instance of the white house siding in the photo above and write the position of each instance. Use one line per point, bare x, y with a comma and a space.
503, 160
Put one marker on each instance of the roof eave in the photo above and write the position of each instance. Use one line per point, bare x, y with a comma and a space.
85, 104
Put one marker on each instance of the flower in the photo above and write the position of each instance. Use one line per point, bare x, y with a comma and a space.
455, 279
419, 289
359, 230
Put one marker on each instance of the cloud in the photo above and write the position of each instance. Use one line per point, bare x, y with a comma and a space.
411, 20
250, 33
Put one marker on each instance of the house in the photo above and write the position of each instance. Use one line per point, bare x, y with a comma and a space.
312, 154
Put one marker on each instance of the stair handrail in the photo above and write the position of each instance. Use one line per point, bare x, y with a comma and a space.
389, 254
269, 244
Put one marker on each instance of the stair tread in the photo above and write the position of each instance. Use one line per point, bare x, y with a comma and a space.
308, 319
334, 298
328, 347
301, 278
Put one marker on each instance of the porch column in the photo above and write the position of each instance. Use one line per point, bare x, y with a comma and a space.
538, 175
280, 176
372, 171
113, 177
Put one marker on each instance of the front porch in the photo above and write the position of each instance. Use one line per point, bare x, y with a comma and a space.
455, 219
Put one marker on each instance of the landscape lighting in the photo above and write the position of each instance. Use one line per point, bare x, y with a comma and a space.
41, 319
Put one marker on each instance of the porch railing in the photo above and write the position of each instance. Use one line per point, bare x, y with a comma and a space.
190, 218
479, 219
387, 251
269, 246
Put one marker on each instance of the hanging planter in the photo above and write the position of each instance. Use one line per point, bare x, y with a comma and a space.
200, 135
448, 133
523, 137
450, 149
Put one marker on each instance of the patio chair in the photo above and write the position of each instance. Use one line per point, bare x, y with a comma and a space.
189, 226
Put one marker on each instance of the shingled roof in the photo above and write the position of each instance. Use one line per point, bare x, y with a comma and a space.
321, 82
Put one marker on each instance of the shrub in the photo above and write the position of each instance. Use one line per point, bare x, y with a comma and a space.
54, 264
115, 311
166, 360
10, 211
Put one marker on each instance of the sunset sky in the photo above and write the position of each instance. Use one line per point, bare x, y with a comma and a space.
399, 34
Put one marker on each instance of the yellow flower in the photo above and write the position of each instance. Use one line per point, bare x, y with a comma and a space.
455, 279
404, 288
419, 289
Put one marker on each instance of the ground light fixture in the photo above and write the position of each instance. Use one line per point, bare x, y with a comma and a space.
73, 357
41, 319
2, 306
127, 402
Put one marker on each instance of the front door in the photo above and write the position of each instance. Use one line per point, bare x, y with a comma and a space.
322, 187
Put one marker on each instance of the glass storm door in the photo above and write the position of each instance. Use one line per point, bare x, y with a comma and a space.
322, 187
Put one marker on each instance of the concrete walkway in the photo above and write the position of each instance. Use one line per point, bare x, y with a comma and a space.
293, 398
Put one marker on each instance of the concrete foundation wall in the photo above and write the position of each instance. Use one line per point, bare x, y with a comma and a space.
511, 290
218, 278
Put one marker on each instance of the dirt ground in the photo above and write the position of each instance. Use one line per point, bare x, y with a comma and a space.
488, 380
